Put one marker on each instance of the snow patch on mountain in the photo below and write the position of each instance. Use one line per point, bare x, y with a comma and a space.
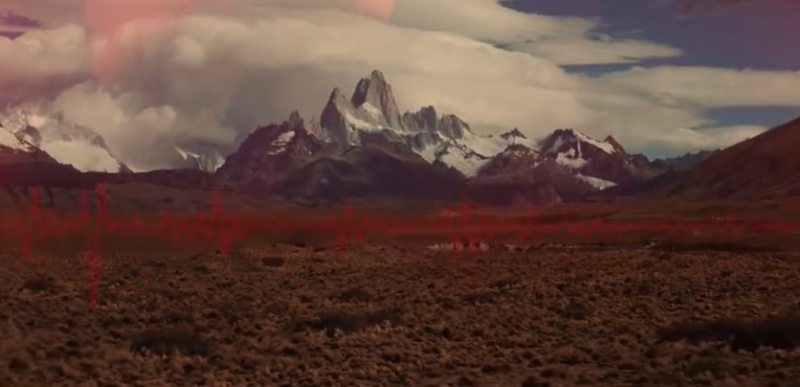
554, 147
571, 159
604, 146
372, 110
460, 157
467, 154
279, 145
571, 139
359, 124
10, 140
208, 160
598, 183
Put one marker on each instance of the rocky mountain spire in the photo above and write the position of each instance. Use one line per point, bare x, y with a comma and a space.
428, 120
295, 121
513, 134
378, 93
315, 128
333, 118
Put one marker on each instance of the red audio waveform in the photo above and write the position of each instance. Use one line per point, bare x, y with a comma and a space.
217, 226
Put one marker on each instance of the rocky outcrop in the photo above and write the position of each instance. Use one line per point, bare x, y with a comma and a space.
270, 154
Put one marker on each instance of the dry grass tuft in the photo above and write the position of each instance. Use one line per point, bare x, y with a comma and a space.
348, 322
170, 341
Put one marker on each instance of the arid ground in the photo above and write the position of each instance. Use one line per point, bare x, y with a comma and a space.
297, 310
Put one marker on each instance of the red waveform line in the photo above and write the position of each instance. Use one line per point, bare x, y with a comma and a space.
224, 228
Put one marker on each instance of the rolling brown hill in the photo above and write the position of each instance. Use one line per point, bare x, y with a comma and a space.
764, 167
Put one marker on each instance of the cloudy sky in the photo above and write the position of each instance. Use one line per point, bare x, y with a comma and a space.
662, 76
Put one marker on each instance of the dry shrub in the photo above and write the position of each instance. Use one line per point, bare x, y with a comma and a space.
347, 322
273, 262
357, 294
233, 311
168, 341
726, 247
719, 368
577, 309
41, 283
480, 297
505, 283
276, 309
781, 332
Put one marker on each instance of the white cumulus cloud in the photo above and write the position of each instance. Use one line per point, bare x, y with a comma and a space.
714, 87
218, 70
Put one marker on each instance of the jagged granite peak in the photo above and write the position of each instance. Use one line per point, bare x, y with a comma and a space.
512, 135
452, 126
567, 160
374, 93
269, 150
347, 124
314, 127
599, 164
427, 119
377, 75
562, 140
602, 164
295, 121
335, 117
292, 130
371, 116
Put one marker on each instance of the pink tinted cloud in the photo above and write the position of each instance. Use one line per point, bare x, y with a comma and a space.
105, 19
379, 9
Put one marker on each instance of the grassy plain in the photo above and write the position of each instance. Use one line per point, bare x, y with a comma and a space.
545, 307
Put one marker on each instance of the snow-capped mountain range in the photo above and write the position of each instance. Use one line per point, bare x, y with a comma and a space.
362, 145
567, 160
24, 132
